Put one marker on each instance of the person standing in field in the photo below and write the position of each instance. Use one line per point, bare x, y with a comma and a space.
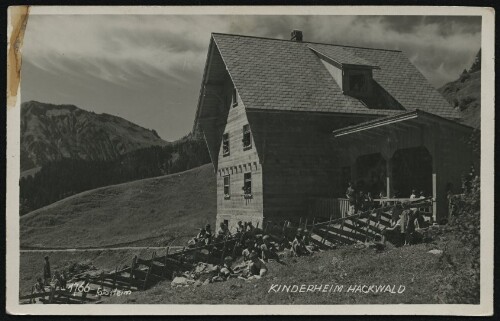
413, 197
47, 275
404, 219
208, 234
351, 196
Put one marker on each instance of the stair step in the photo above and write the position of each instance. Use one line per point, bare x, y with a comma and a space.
373, 226
318, 240
331, 236
360, 231
385, 215
362, 234
383, 221
346, 232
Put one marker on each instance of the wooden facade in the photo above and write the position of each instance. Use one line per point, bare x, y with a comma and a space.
238, 205
298, 159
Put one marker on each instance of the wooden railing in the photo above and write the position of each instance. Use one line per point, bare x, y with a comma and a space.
393, 201
328, 207
419, 203
339, 207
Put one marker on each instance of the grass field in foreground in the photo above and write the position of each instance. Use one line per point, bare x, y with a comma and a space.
31, 263
164, 210
427, 278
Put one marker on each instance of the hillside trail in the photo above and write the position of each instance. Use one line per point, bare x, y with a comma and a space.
84, 249
115, 246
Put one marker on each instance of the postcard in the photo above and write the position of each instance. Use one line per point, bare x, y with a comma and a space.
250, 160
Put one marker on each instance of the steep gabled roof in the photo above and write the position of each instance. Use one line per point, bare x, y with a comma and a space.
272, 74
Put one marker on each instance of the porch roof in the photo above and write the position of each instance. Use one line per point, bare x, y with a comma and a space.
415, 117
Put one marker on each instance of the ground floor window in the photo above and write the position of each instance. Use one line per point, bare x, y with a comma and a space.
247, 185
227, 187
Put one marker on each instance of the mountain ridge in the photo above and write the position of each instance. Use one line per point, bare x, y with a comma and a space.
51, 132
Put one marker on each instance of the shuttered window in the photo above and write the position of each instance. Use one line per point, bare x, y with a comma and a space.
227, 187
247, 137
234, 98
247, 183
225, 145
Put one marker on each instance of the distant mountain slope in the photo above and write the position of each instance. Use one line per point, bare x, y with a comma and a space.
164, 208
58, 179
465, 93
52, 132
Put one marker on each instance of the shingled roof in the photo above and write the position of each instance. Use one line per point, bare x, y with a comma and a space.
273, 74
341, 55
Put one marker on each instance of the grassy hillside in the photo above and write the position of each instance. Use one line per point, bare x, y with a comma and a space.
163, 210
59, 179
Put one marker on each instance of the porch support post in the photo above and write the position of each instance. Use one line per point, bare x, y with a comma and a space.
389, 177
434, 189
440, 205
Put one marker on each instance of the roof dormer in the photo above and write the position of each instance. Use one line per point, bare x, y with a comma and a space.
353, 74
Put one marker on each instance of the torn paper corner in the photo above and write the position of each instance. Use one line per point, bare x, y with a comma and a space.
18, 19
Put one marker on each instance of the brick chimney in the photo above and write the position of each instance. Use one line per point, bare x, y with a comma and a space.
296, 35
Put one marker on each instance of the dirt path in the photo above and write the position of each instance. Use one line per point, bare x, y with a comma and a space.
47, 249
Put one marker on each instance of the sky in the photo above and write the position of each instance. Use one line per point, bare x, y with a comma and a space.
148, 68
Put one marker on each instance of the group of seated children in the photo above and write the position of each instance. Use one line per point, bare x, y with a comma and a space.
206, 237
256, 249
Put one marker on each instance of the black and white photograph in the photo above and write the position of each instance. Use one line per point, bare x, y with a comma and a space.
237, 160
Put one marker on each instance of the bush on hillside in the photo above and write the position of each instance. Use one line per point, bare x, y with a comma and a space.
476, 65
461, 257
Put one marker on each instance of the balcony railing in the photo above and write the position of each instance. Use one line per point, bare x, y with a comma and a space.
339, 207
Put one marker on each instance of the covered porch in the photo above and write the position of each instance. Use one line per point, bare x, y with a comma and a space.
392, 156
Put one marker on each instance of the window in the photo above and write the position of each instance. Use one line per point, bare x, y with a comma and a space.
226, 222
225, 145
358, 83
227, 188
247, 185
247, 137
234, 98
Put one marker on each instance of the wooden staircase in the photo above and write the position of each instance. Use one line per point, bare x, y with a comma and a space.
361, 227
